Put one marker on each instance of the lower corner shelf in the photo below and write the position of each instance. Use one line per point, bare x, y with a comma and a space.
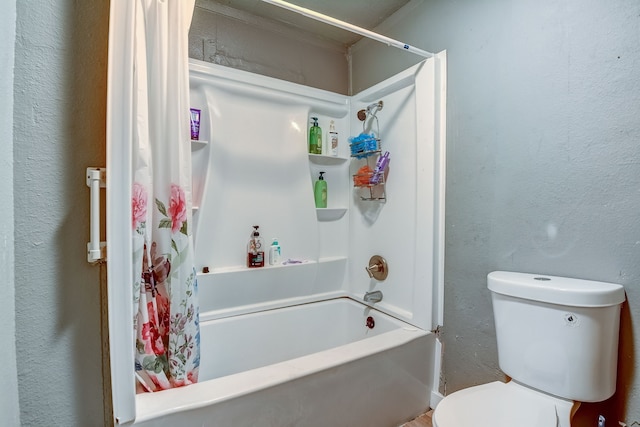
330, 214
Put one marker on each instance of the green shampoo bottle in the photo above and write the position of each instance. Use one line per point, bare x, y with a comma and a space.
320, 192
315, 137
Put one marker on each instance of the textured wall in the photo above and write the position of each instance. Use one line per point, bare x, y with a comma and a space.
59, 130
543, 159
240, 40
9, 385
543, 175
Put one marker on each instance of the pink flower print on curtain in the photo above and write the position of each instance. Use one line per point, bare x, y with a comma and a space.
167, 347
177, 209
138, 205
152, 362
168, 338
152, 303
184, 332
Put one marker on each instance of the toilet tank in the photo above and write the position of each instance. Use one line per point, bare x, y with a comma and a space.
556, 334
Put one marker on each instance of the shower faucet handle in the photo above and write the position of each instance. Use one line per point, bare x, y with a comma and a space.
377, 268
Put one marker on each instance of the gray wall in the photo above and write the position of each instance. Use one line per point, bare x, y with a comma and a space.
226, 36
59, 130
543, 168
9, 385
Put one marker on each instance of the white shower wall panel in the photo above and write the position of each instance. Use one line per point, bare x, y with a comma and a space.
254, 169
257, 176
404, 229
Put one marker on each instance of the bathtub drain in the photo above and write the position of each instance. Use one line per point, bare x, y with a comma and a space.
370, 322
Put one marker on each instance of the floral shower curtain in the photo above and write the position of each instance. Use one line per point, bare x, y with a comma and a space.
164, 284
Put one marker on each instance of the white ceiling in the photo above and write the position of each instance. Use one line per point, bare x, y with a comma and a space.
363, 13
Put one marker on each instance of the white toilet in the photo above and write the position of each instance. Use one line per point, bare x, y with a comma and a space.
557, 340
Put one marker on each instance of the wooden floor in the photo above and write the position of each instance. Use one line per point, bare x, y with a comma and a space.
423, 420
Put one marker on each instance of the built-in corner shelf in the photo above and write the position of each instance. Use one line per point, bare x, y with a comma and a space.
321, 159
330, 214
244, 270
335, 163
286, 264
197, 144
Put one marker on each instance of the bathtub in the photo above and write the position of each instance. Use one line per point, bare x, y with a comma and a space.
315, 364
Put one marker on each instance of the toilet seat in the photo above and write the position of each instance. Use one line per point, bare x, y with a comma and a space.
501, 405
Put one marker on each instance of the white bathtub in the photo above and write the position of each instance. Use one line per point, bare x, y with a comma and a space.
309, 365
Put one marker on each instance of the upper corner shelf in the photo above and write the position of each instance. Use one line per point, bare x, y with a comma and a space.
197, 144
321, 159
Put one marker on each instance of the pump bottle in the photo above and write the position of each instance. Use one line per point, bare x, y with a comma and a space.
320, 192
315, 137
255, 249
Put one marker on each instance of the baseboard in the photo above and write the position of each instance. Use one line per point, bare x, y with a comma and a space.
435, 399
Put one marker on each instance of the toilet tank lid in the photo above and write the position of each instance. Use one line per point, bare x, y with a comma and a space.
556, 290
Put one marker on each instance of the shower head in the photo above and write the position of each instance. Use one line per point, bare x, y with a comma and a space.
377, 105
371, 109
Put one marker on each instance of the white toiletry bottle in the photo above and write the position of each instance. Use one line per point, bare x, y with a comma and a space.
274, 252
332, 140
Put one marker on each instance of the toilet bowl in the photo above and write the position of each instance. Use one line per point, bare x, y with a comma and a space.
499, 404
557, 339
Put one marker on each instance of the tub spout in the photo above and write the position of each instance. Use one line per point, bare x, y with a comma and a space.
375, 296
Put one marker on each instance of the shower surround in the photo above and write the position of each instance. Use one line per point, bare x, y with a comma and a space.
289, 336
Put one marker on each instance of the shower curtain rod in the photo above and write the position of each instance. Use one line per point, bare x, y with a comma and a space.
349, 27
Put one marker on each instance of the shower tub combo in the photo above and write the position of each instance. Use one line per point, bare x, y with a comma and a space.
295, 344
329, 363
